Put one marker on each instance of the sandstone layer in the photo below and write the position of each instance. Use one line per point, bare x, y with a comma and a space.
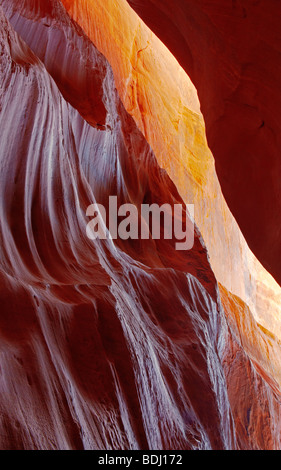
231, 51
126, 344
159, 95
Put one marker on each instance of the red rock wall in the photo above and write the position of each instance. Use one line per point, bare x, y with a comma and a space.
102, 345
231, 50
92, 355
160, 97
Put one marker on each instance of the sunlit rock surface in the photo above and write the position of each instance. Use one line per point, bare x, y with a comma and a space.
92, 353
232, 52
113, 345
253, 377
158, 94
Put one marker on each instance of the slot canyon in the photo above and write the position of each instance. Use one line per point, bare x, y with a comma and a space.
114, 344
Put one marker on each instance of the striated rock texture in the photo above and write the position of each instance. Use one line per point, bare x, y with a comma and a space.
106, 345
252, 366
92, 353
156, 91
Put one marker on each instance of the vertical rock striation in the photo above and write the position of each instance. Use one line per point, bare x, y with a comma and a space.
107, 345
163, 102
92, 353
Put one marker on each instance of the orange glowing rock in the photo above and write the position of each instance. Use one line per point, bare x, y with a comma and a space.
103, 346
119, 345
161, 98
231, 50
252, 367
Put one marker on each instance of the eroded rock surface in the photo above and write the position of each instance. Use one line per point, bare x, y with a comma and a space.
105, 345
231, 51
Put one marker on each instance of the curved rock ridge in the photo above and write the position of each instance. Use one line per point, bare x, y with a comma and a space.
159, 95
104, 345
92, 353
78, 77
232, 51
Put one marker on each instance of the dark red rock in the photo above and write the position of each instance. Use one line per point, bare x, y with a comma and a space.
231, 51
110, 363
103, 345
